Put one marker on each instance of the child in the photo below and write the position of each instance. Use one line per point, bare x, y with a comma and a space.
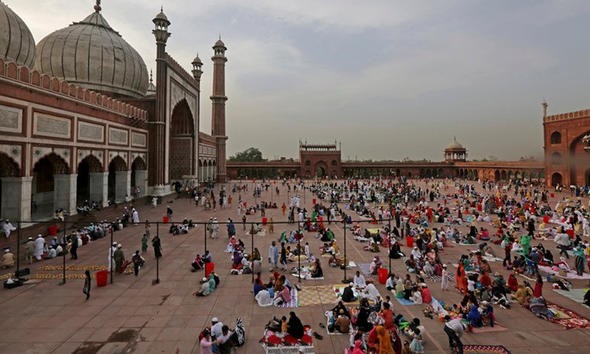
416, 345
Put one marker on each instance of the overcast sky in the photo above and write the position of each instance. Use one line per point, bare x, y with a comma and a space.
389, 79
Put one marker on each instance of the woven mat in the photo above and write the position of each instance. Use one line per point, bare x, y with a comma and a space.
568, 318
317, 295
471, 348
294, 299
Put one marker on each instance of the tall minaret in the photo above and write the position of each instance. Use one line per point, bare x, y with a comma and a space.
218, 99
157, 123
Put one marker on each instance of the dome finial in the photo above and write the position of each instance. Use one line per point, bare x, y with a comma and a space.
151, 77
97, 7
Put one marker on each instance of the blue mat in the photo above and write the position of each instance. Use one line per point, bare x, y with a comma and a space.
404, 301
364, 268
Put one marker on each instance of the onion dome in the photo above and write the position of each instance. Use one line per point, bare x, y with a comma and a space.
454, 145
16, 41
90, 53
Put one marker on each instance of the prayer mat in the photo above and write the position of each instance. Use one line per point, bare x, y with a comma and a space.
437, 278
576, 295
294, 301
567, 318
476, 348
570, 275
405, 302
364, 268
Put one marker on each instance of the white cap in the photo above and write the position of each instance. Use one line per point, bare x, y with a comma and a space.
214, 319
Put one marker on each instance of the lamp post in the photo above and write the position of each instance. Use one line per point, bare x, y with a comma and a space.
18, 249
157, 281
299, 255
111, 253
252, 247
345, 279
389, 233
63, 267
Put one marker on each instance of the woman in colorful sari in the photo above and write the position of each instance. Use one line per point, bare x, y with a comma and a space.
580, 260
460, 278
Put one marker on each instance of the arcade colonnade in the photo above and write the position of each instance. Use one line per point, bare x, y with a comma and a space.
207, 170
53, 183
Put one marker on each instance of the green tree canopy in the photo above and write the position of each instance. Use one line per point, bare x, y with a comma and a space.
249, 155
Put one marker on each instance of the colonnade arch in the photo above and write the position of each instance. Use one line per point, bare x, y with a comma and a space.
9, 173
207, 170
89, 180
117, 179
51, 186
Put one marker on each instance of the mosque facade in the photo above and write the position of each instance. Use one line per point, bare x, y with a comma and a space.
81, 119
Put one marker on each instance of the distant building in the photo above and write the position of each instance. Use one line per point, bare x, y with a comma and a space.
567, 147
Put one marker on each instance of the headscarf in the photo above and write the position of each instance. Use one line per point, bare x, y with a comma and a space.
384, 341
357, 348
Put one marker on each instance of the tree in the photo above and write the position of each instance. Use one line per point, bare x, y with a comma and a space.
249, 155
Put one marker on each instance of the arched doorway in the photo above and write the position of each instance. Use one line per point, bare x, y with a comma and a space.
9, 172
88, 187
138, 177
496, 175
320, 169
556, 179
117, 180
182, 134
50, 189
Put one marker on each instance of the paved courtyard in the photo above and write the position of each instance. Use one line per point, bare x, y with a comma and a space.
134, 314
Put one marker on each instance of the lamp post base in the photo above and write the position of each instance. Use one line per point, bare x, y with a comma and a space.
346, 281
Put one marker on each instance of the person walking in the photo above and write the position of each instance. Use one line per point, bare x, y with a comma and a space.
29, 250
87, 284
157, 245
283, 258
138, 262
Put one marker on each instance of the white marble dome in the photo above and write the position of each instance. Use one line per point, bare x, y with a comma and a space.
16, 41
93, 55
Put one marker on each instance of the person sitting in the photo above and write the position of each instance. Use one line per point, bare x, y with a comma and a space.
395, 252
371, 292
8, 259
204, 290
207, 257
474, 317
390, 282
294, 326
348, 293
587, 298
426, 294
523, 294
282, 296
342, 323
52, 252
362, 320
359, 280
316, 269
340, 308
375, 265
197, 263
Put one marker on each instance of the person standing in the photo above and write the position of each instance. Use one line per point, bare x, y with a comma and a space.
39, 247
135, 216
271, 226
206, 343
138, 262
144, 242
74, 246
273, 255
157, 245
283, 259
87, 284
29, 250
444, 279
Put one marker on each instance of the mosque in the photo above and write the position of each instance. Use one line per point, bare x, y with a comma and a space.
82, 119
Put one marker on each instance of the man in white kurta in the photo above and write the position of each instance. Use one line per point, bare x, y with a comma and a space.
135, 216
39, 247
6, 227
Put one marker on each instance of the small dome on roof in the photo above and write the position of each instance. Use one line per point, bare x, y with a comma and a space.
454, 145
219, 43
16, 41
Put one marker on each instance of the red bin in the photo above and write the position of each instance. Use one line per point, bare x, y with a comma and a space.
101, 278
209, 268
382, 274
546, 219
52, 230
570, 233
264, 221
165, 219
410, 241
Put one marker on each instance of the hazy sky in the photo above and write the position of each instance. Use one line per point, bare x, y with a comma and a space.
389, 79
